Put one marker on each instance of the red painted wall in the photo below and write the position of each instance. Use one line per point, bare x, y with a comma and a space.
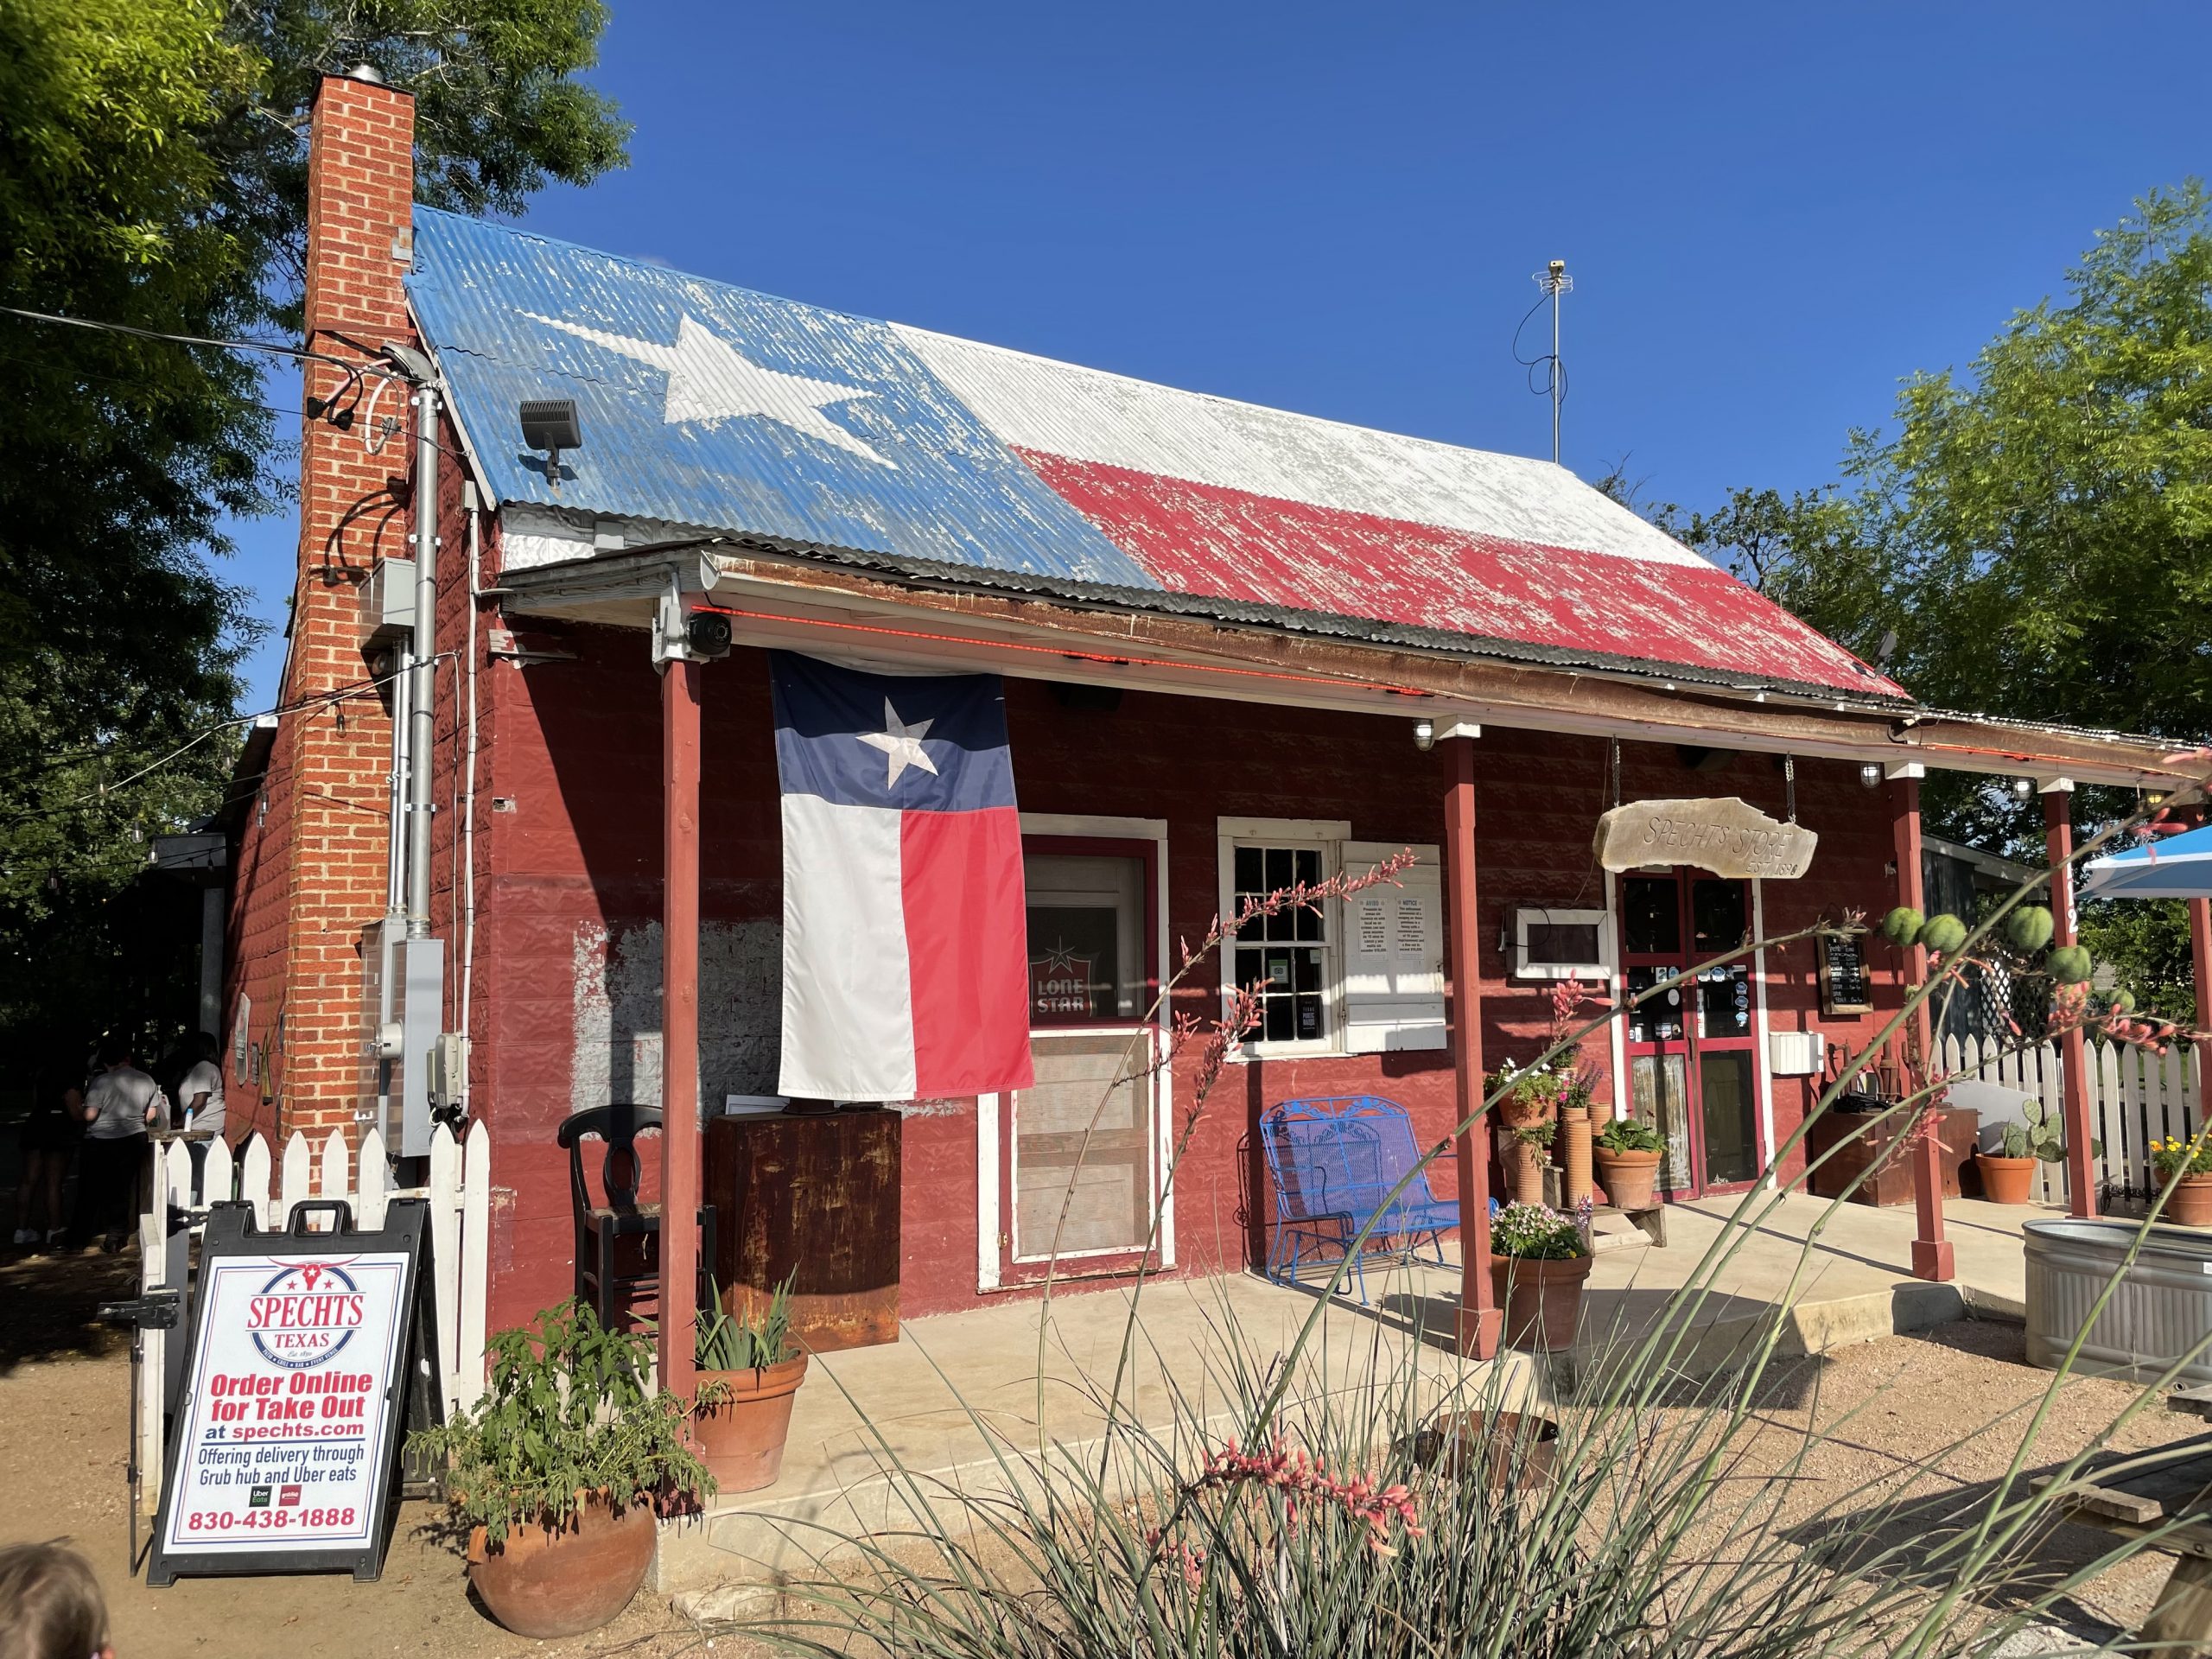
577, 758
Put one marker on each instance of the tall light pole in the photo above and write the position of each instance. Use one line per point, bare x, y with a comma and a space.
1556, 283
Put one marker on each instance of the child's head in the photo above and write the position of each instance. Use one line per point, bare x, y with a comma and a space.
50, 1604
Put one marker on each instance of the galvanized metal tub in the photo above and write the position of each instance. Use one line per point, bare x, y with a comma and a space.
2161, 1310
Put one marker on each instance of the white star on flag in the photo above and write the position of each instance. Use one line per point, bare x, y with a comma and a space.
900, 743
709, 380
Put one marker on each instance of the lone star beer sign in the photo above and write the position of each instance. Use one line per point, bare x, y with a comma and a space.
1725, 836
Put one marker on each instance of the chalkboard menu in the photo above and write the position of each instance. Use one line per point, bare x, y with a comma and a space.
1844, 987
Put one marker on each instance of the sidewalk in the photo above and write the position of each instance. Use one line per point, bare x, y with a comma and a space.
959, 1387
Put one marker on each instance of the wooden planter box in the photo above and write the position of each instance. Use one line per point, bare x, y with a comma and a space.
1868, 1144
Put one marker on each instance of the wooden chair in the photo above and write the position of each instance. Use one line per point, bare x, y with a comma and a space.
602, 1279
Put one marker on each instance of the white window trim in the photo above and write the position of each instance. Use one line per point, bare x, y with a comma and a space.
989, 1221
1601, 970
1329, 835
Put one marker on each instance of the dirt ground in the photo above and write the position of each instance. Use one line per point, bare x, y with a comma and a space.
65, 1392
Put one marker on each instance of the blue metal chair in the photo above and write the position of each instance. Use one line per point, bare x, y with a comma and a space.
1333, 1163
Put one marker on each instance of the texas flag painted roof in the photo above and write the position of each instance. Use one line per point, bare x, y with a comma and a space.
707, 405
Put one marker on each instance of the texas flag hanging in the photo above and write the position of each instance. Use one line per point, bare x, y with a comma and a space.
905, 972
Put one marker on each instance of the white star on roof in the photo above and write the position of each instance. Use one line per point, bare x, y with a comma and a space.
709, 380
900, 743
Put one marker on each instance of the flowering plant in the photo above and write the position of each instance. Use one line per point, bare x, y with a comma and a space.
1529, 1232
2172, 1157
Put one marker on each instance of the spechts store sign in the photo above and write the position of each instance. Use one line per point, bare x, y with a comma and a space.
283, 1446
1730, 837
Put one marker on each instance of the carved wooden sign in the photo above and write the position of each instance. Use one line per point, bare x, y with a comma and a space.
1726, 835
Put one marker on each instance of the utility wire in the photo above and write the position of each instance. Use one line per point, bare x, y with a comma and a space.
1555, 370
335, 694
273, 348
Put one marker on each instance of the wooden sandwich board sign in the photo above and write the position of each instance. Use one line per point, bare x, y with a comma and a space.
307, 1350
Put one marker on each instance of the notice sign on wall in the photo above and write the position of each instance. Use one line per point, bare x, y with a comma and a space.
283, 1441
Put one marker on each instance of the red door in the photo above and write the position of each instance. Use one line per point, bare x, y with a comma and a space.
1692, 1059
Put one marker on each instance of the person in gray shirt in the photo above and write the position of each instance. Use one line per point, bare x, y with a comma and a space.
119, 1106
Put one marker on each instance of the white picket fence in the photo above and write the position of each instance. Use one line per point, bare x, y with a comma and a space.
459, 1190
2135, 1097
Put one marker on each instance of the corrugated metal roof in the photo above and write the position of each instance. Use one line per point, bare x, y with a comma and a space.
704, 404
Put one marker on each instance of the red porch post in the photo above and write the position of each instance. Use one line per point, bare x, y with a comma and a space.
1931, 1251
2200, 950
1481, 1323
679, 1030
2073, 1049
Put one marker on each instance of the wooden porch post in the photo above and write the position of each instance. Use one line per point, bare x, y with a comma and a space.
1931, 1251
679, 1031
1481, 1322
2073, 1048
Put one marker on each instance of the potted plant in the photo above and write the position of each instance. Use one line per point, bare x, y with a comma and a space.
1627, 1150
2184, 1169
1538, 1260
1575, 1109
559, 1469
749, 1369
2007, 1176
1532, 1094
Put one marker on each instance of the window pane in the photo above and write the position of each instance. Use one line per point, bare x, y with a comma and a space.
1280, 1022
1718, 910
1306, 922
1309, 1019
1730, 1135
1650, 907
1308, 971
1309, 865
1278, 863
1248, 872
1251, 965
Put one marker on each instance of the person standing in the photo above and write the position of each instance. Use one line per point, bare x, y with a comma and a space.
200, 1097
123, 1103
47, 1139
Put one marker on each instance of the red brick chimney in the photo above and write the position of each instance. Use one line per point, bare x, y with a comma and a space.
311, 869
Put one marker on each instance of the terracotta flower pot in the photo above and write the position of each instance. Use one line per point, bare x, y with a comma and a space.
1631, 1178
542, 1583
1524, 1163
2006, 1180
1542, 1299
742, 1441
2191, 1204
1574, 1152
1522, 1114
1511, 1451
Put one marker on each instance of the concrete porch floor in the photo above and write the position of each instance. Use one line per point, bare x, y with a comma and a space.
957, 1383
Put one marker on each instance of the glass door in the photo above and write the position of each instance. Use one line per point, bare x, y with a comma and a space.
1692, 1059
1079, 1178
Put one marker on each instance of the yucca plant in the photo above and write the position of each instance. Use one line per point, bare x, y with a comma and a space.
1306, 1503
727, 1342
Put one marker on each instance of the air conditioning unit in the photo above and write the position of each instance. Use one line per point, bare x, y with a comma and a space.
1795, 1053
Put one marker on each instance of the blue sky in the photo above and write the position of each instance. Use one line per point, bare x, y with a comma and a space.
1771, 212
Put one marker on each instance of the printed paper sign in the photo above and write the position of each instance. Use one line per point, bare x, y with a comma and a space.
282, 1435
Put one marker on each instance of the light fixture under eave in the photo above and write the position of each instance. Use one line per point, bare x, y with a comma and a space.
1870, 775
550, 424
1424, 734
2023, 789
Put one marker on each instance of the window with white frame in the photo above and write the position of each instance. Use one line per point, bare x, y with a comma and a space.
1345, 976
1284, 957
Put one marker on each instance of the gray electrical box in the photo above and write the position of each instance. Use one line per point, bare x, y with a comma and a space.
403, 1010
388, 602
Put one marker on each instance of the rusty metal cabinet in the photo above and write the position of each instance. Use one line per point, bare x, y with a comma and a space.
818, 1195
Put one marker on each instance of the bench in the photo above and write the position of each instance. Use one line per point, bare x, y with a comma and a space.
2171, 1484
1333, 1163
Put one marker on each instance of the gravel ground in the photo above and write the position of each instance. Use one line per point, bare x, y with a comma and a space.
65, 1389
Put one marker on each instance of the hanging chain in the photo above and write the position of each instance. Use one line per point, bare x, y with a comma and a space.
1613, 768
1790, 784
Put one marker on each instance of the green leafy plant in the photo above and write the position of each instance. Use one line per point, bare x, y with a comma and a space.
1628, 1134
1537, 1135
567, 1417
2041, 1135
1529, 1232
746, 1342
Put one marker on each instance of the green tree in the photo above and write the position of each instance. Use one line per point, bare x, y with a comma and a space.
153, 173
2038, 532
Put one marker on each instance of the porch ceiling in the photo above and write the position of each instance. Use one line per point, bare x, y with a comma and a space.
777, 599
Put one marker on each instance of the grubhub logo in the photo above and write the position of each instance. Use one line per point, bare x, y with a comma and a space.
305, 1314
